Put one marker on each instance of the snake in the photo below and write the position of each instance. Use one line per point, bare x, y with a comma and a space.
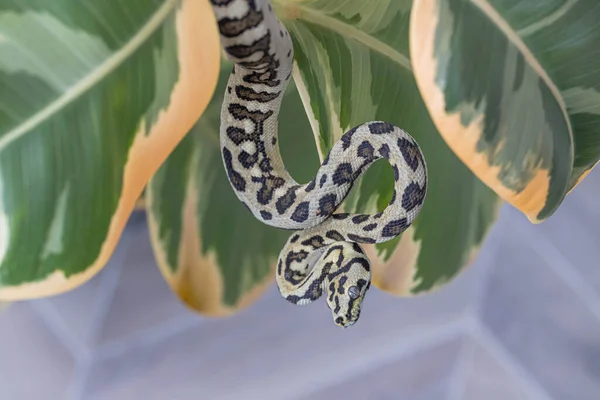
323, 256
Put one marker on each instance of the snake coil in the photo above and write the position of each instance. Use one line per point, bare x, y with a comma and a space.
324, 255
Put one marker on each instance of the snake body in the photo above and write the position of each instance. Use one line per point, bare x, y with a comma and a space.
324, 254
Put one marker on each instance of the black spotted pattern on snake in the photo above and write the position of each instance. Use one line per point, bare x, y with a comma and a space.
324, 255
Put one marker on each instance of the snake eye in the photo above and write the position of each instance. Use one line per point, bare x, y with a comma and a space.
353, 292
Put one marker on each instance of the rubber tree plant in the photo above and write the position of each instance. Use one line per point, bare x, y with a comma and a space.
100, 100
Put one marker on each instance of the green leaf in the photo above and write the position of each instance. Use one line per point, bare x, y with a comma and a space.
215, 255
514, 89
353, 66
94, 97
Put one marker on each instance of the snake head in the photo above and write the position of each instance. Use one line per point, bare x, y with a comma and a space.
346, 291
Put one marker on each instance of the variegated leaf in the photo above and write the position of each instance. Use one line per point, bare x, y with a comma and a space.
211, 250
353, 66
93, 97
514, 88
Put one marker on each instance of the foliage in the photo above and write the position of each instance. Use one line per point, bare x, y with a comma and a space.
93, 100
514, 88
502, 96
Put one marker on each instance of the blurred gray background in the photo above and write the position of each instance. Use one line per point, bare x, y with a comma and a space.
523, 322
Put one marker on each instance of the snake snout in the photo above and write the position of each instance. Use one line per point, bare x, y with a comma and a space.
343, 322
346, 322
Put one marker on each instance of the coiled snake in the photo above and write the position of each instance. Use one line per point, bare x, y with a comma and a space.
324, 255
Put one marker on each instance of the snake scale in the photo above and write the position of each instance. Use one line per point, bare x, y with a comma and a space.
323, 256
